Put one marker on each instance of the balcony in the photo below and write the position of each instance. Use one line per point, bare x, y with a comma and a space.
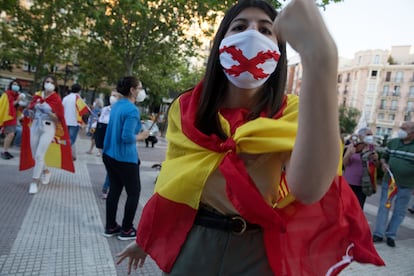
396, 80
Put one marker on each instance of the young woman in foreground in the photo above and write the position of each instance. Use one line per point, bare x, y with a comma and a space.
235, 140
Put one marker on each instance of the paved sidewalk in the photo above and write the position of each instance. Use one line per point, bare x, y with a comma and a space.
59, 230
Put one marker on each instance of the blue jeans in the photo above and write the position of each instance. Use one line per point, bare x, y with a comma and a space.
105, 186
401, 200
18, 136
73, 133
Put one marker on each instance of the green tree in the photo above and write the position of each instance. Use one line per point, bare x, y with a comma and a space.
348, 118
41, 35
109, 39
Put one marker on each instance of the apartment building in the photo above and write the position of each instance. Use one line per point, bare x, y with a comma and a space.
379, 83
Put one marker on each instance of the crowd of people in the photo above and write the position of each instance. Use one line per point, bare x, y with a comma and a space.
240, 180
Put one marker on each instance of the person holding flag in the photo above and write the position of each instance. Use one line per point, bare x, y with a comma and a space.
74, 108
8, 115
45, 139
398, 184
360, 161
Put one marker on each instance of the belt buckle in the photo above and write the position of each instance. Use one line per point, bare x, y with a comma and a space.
243, 224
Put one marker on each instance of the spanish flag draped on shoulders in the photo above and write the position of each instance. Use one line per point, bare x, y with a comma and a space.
299, 239
59, 153
7, 110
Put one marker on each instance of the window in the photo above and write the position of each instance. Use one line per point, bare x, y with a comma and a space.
388, 76
374, 74
391, 117
348, 76
376, 59
339, 78
396, 91
382, 104
381, 116
371, 87
394, 105
399, 76
411, 92
385, 90
410, 106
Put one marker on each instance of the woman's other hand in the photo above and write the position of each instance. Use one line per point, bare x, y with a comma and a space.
135, 254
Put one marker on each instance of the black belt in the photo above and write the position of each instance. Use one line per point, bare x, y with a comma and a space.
235, 224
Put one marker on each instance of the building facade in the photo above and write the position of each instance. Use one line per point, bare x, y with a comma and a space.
379, 83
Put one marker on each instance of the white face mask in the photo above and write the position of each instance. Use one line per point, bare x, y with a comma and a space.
402, 134
49, 87
369, 140
15, 88
112, 100
141, 95
248, 58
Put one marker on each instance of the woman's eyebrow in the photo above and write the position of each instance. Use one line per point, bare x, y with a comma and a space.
245, 20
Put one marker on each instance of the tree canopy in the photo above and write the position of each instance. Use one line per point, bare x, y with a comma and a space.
100, 41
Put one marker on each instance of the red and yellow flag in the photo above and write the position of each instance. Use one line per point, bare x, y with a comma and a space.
392, 189
299, 239
81, 108
4, 109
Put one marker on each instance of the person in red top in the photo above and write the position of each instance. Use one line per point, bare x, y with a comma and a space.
10, 123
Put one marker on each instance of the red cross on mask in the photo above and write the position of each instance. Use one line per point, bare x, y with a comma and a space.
248, 58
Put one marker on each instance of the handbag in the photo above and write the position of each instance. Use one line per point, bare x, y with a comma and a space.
368, 182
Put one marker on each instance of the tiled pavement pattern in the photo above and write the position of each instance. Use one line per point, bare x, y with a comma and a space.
59, 230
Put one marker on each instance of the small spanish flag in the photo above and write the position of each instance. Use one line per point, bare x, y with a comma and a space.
81, 108
4, 109
392, 189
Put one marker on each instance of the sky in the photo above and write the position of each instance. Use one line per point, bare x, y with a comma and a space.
369, 24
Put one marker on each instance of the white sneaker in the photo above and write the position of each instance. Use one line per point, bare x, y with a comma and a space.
33, 188
46, 178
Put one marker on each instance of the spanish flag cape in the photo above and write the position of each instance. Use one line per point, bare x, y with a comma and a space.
7, 110
59, 153
316, 239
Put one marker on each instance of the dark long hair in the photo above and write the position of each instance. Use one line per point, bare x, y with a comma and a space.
215, 82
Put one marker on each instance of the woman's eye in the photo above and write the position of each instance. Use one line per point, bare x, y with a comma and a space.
238, 28
265, 31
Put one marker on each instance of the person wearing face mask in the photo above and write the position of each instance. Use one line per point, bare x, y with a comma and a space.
101, 130
45, 138
244, 188
75, 108
360, 162
398, 160
8, 115
121, 159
